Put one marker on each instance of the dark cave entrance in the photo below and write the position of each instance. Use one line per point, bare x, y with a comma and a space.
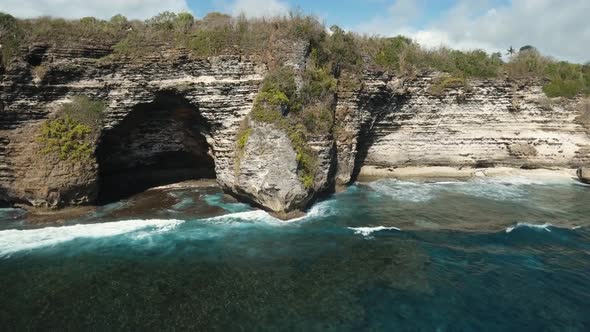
157, 143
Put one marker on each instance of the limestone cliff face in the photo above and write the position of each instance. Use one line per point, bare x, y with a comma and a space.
158, 109
171, 117
394, 122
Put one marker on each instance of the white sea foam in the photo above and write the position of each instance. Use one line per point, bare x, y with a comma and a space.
367, 231
321, 209
497, 188
403, 190
494, 190
318, 210
545, 226
247, 216
13, 240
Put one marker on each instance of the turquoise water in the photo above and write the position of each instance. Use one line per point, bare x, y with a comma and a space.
489, 255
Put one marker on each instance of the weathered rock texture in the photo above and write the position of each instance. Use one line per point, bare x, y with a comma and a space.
392, 123
267, 170
172, 117
159, 109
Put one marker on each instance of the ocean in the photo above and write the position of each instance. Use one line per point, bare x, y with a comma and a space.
495, 254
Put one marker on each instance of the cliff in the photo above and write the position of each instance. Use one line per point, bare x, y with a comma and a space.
170, 116
396, 122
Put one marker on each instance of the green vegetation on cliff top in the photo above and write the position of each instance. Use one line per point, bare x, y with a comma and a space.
271, 39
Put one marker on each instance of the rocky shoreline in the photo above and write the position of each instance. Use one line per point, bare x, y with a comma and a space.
156, 198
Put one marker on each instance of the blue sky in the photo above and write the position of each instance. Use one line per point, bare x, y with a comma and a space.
556, 27
349, 13
346, 13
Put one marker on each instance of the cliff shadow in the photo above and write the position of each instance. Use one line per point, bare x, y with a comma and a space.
157, 143
379, 107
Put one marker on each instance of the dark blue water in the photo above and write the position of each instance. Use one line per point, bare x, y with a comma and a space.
493, 255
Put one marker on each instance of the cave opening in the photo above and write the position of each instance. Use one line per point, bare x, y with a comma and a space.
157, 143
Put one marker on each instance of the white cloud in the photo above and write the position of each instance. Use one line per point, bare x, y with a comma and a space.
556, 27
258, 8
135, 9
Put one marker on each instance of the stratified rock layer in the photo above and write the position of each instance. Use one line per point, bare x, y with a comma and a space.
490, 123
170, 116
220, 89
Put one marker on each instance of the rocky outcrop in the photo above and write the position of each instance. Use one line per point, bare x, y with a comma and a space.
267, 171
171, 117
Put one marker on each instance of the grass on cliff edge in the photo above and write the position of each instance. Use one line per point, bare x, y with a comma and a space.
272, 39
72, 134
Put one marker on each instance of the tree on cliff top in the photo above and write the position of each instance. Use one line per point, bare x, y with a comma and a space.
527, 48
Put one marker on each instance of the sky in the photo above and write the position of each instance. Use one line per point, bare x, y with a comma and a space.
560, 28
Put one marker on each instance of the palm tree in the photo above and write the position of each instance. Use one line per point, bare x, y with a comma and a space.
511, 51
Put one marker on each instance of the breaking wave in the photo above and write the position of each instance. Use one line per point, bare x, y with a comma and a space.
368, 231
14, 240
241, 217
545, 226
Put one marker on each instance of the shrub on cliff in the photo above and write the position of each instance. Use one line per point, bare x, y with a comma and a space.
391, 51
527, 64
566, 80
11, 36
475, 63
318, 85
318, 118
72, 134
343, 51
67, 138
277, 96
280, 79
84, 110
119, 20
403, 56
